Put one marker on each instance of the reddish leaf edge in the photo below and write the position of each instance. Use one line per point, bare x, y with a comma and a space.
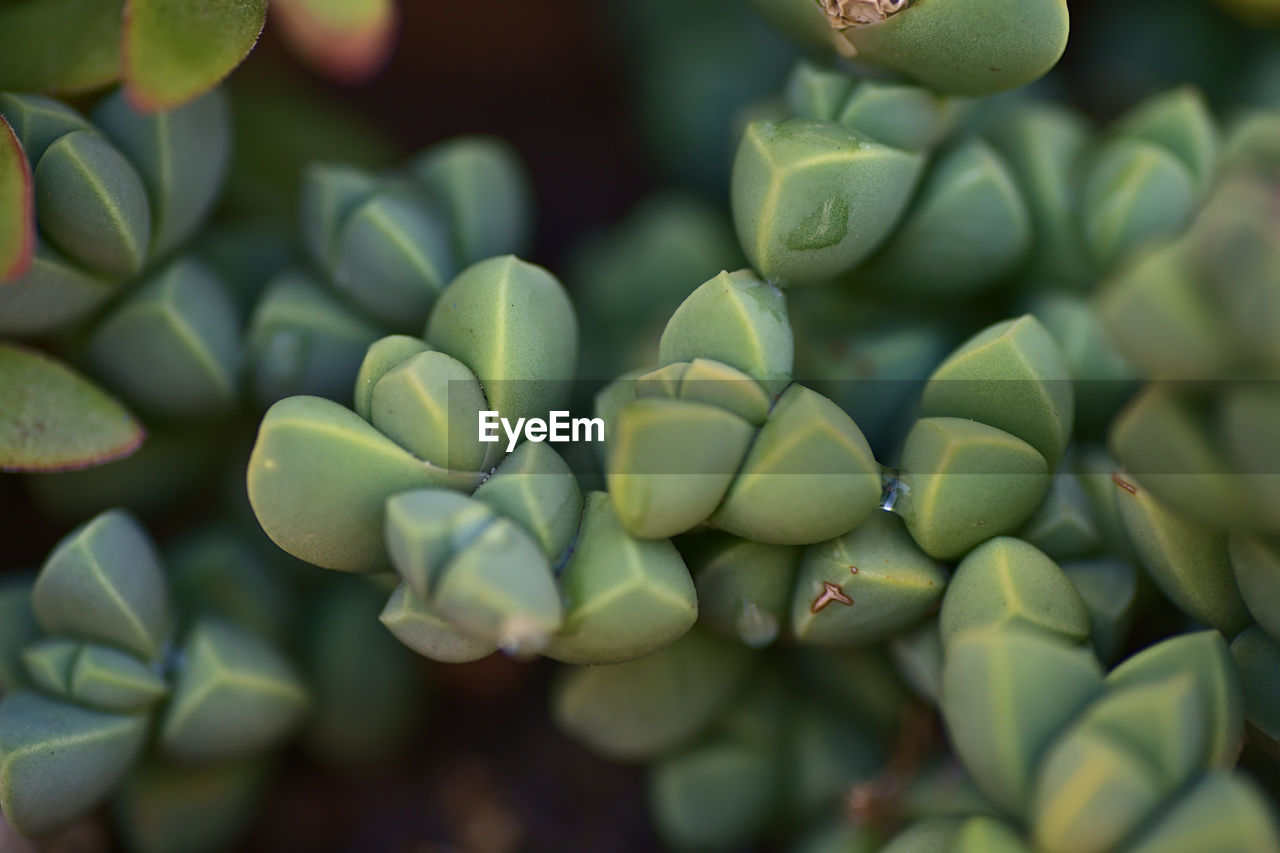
348, 57
19, 266
150, 102
113, 455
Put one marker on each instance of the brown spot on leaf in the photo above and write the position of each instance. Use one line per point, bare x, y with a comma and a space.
1124, 484
830, 592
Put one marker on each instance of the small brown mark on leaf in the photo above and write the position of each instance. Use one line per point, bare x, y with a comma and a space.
830, 592
1124, 484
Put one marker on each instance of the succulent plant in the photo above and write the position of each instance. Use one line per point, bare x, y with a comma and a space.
167, 54
102, 670
384, 247
957, 46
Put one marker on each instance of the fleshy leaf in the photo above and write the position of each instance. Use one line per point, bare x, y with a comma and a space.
17, 207
738, 320
104, 677
744, 588
1005, 694
535, 487
39, 52
625, 597
416, 624
176, 50
58, 761
234, 695
638, 710
512, 323
182, 156
1205, 655
53, 419
104, 581
173, 346
888, 582
93, 205
963, 482
481, 184
813, 198
1006, 581
53, 294
1223, 811
809, 475
318, 479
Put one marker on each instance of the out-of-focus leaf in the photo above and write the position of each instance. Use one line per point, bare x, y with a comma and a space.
175, 50
59, 45
17, 207
53, 419
348, 40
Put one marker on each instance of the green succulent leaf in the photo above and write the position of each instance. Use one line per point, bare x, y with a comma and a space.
319, 477
425, 528
512, 323
1158, 317
173, 346
53, 419
103, 677
624, 597
486, 195
18, 628
714, 796
234, 695
104, 581
1009, 582
817, 91
49, 663
416, 623
1044, 145
967, 228
1255, 563
1091, 794
182, 157
737, 320
501, 589
1203, 654
812, 199
1063, 526
303, 341
93, 204
809, 475
1180, 121
429, 404
58, 761
670, 463
40, 53
911, 118
987, 835
535, 488
1006, 693
931, 836
1012, 376
1222, 812
968, 47
864, 586
1136, 193
641, 709
330, 192
963, 482
37, 121
176, 50
1109, 589
53, 294
1257, 658
1187, 560
917, 655
382, 355
706, 381
744, 588
17, 207
391, 257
